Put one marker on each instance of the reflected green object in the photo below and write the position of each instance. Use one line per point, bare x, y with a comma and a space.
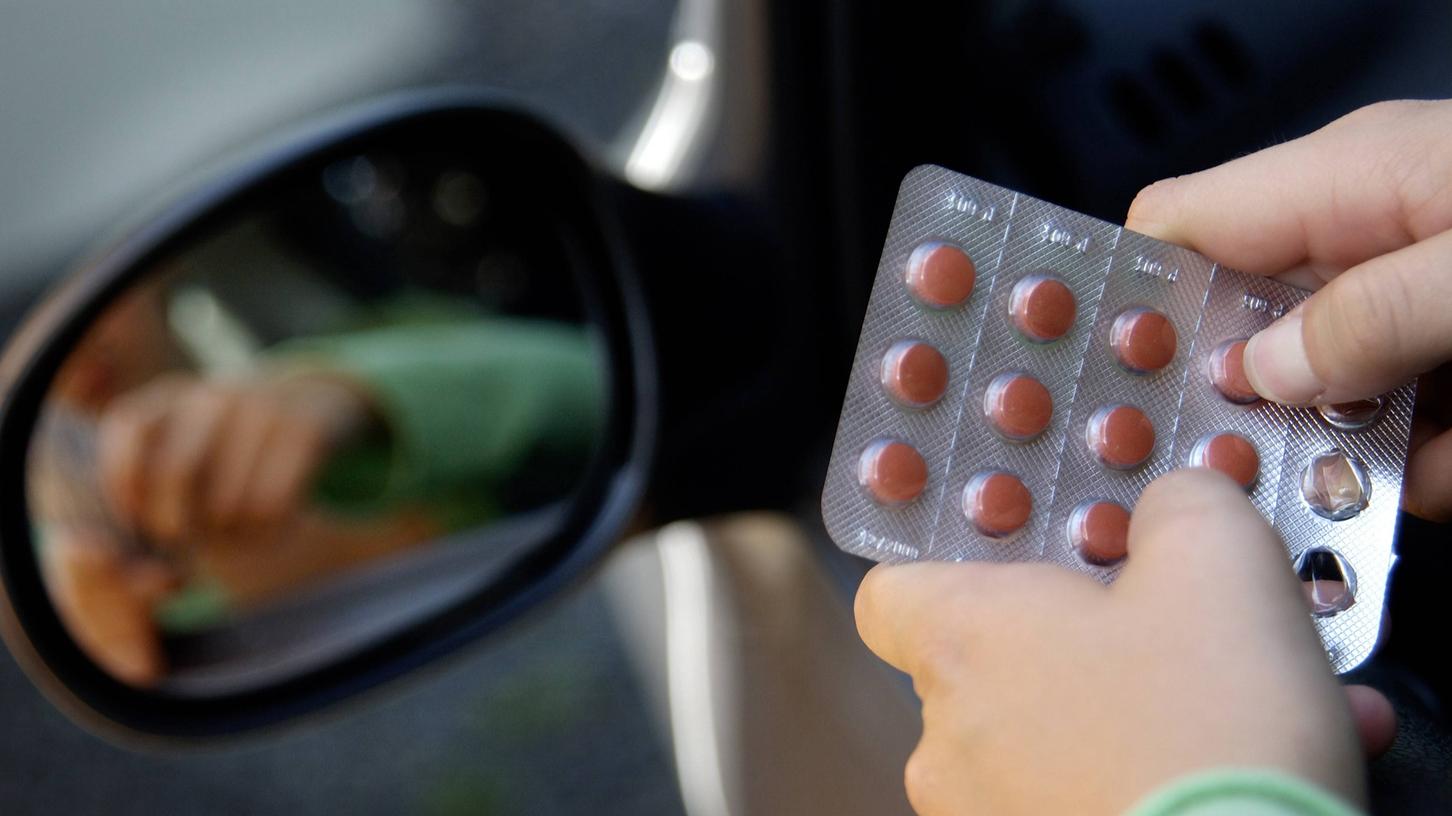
467, 406
197, 605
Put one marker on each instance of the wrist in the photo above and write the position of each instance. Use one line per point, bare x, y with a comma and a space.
341, 406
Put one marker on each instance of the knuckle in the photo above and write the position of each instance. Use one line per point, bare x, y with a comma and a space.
936, 662
1185, 501
1182, 484
1150, 203
1187, 517
865, 605
1357, 325
1382, 113
112, 435
268, 422
920, 780
125, 418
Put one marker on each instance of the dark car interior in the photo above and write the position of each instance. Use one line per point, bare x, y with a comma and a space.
753, 259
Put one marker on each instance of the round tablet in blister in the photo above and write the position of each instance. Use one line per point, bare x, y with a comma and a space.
1143, 340
1018, 406
941, 275
997, 503
1042, 308
892, 471
1121, 436
1229, 453
1099, 532
1227, 373
914, 373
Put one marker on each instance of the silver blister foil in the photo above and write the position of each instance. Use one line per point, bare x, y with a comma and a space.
1011, 236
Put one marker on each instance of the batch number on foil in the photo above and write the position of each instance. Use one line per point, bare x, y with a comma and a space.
878, 542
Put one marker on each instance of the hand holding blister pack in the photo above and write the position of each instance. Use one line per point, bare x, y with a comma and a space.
1024, 371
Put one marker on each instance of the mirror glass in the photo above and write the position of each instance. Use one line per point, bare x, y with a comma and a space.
330, 413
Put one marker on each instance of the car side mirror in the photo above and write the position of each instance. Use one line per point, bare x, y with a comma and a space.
356, 403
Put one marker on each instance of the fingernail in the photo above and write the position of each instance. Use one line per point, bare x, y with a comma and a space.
1277, 365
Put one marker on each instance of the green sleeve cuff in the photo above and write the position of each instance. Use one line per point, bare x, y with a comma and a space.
1233, 792
201, 604
467, 401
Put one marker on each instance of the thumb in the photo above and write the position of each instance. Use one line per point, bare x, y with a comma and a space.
1197, 544
1376, 326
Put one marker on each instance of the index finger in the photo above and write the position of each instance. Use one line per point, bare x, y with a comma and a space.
1369, 183
897, 605
928, 613
126, 442
1197, 525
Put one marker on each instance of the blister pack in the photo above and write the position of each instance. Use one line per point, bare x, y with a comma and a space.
1024, 371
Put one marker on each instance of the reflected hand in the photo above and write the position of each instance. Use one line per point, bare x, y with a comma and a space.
1045, 692
182, 456
105, 597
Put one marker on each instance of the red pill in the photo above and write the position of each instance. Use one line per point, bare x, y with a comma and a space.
1099, 531
941, 275
1229, 453
1227, 373
1018, 406
1143, 340
1121, 436
997, 503
914, 373
892, 471
1042, 308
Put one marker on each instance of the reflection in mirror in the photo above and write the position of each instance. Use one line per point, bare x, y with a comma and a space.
322, 419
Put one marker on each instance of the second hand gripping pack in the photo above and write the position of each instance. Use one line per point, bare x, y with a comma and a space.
1024, 371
